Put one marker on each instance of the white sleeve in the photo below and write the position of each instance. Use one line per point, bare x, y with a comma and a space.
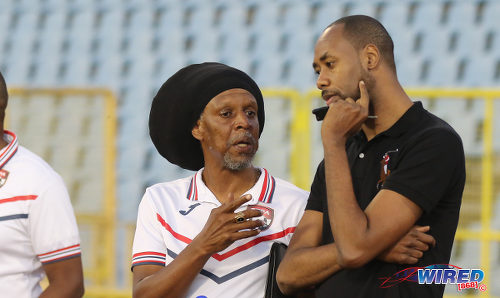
149, 247
295, 214
52, 225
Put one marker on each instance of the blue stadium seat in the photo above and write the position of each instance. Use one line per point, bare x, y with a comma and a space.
491, 12
433, 42
479, 71
427, 15
296, 16
327, 12
462, 15
363, 7
395, 15
443, 71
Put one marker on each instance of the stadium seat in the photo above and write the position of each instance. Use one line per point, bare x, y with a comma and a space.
327, 12
395, 15
479, 71
296, 16
462, 15
433, 42
427, 15
442, 71
368, 8
490, 14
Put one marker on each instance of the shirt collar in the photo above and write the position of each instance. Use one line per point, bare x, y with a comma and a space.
407, 121
8, 151
261, 191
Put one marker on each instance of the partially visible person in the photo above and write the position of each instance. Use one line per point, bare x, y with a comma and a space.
39, 235
388, 164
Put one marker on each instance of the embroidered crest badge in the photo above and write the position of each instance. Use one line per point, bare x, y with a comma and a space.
3, 177
266, 217
384, 168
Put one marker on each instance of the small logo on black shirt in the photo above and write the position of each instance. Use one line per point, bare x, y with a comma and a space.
384, 168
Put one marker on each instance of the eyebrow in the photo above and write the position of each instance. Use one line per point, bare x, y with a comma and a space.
323, 58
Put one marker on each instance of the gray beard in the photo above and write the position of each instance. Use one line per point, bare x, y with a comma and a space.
234, 165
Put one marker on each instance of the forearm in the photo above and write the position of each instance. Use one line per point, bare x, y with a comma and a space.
63, 289
348, 222
175, 279
315, 263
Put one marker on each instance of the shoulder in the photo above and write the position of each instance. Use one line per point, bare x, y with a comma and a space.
290, 188
169, 191
33, 168
432, 130
289, 193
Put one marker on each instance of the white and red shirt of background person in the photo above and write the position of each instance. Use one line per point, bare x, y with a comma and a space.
171, 214
37, 223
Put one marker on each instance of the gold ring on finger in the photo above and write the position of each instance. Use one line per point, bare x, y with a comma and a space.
239, 217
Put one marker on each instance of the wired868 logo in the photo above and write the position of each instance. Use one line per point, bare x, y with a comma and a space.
439, 274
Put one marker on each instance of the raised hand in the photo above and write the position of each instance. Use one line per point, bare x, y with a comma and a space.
224, 226
345, 116
410, 248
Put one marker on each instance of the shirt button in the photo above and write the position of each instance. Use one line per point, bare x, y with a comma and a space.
361, 155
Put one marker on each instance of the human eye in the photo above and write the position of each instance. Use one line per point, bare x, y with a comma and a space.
251, 113
330, 64
225, 113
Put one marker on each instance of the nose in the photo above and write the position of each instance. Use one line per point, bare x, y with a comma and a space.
242, 121
323, 81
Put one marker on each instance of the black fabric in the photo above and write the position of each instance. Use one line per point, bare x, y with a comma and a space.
276, 254
427, 165
181, 100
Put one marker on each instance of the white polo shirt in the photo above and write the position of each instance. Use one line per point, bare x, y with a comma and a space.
171, 214
37, 223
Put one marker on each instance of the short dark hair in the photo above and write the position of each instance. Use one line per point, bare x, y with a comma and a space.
361, 30
4, 96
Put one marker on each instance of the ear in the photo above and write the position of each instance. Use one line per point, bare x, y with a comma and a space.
197, 130
371, 57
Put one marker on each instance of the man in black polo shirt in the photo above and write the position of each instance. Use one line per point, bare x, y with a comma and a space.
388, 164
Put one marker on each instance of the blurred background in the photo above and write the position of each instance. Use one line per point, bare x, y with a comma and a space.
82, 74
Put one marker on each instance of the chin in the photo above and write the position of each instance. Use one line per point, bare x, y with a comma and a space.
237, 164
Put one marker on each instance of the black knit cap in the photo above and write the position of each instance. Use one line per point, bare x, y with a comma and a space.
181, 100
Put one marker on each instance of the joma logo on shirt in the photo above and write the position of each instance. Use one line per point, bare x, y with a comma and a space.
190, 208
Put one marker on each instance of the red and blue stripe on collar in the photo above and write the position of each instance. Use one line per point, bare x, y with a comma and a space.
266, 194
8, 151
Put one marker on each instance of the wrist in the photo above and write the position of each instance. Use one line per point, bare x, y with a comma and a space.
200, 250
334, 144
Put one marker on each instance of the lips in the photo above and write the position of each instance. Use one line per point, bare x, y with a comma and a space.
328, 95
243, 143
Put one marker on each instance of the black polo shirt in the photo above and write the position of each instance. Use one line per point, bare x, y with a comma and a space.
420, 157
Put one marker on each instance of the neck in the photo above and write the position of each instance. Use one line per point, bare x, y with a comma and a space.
224, 182
388, 101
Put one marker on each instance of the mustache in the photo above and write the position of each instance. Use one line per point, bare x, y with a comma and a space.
246, 137
325, 94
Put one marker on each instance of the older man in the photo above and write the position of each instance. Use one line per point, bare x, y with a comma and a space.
209, 235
